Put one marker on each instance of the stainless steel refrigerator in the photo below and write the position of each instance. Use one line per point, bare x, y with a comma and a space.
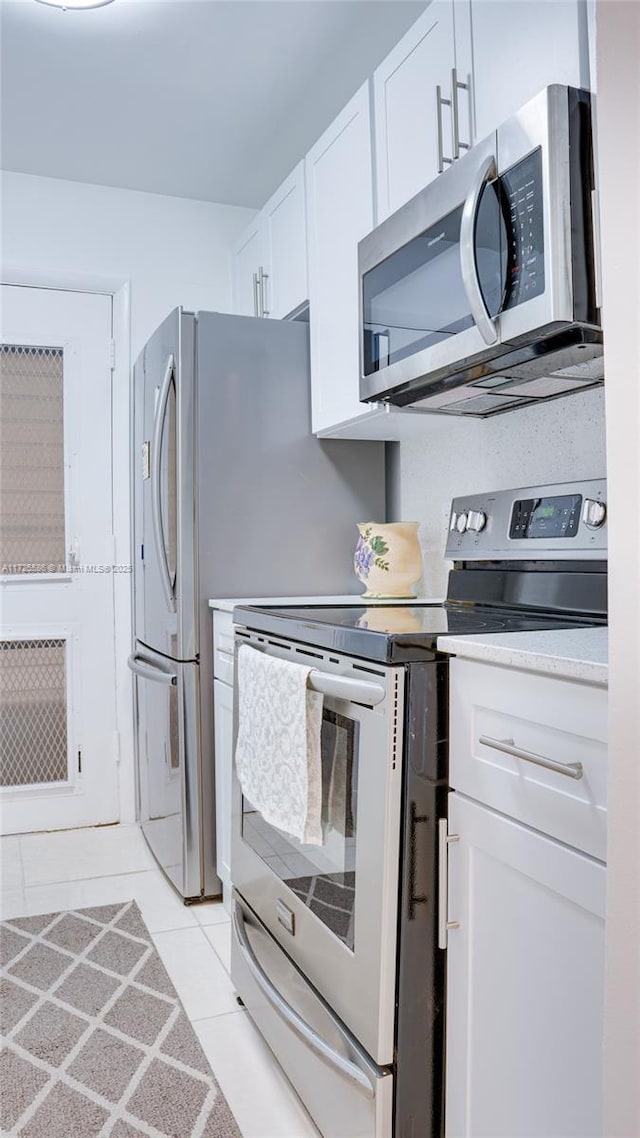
232, 496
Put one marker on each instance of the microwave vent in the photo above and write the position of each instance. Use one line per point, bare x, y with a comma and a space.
591, 370
543, 388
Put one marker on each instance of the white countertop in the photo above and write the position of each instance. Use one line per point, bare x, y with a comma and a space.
227, 604
574, 653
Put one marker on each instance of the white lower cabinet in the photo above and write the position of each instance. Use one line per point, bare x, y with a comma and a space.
525, 981
223, 671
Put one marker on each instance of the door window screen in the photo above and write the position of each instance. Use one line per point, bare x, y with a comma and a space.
33, 712
32, 511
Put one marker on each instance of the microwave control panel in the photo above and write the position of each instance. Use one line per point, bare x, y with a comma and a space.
522, 203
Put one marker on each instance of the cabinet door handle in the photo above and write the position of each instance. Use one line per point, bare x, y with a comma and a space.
444, 837
571, 770
458, 85
256, 291
440, 102
263, 278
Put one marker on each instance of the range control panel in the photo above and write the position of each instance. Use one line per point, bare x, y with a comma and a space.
567, 520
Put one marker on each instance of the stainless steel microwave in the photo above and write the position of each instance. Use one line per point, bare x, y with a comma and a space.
480, 295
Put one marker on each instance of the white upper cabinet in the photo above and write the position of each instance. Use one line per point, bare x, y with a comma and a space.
248, 255
413, 125
339, 214
519, 48
461, 69
339, 181
285, 239
270, 259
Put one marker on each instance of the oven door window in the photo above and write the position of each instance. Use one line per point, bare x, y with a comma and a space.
322, 877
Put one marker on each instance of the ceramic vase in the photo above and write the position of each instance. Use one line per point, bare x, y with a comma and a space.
388, 559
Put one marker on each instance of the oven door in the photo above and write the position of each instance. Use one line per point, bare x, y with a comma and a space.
333, 907
346, 1094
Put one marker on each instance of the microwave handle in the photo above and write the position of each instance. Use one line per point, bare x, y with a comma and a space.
484, 322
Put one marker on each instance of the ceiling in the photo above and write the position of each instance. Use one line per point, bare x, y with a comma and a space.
209, 99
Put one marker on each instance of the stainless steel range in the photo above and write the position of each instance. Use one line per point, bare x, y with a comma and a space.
335, 948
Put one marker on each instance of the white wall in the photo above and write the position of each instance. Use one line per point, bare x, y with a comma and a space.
557, 441
618, 123
165, 251
173, 250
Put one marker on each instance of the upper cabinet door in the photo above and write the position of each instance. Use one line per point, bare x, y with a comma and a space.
413, 131
285, 247
339, 214
519, 48
248, 255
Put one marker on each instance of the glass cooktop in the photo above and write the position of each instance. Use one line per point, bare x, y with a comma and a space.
394, 633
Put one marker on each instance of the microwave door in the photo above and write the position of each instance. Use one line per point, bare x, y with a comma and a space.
416, 314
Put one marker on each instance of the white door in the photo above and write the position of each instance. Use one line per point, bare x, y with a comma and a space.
525, 982
57, 653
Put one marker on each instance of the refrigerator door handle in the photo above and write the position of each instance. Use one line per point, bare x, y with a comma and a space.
156, 508
144, 667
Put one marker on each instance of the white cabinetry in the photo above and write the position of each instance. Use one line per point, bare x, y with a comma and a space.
339, 214
270, 259
223, 668
525, 905
339, 183
504, 51
413, 126
248, 256
519, 48
525, 982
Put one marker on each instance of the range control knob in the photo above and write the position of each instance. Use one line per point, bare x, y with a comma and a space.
476, 520
593, 513
454, 521
461, 523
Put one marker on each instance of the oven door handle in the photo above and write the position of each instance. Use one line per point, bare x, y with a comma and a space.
291, 1016
343, 687
484, 322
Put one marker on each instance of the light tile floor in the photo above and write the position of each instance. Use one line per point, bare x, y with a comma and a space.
72, 869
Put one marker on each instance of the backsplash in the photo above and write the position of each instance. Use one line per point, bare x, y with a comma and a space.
559, 440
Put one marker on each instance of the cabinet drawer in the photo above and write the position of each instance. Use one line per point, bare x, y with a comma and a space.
496, 711
223, 646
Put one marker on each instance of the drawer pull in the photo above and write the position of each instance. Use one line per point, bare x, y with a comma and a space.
572, 770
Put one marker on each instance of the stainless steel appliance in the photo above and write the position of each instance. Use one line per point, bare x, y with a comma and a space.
232, 497
480, 294
337, 950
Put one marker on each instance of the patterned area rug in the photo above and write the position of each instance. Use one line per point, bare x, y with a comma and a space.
96, 1043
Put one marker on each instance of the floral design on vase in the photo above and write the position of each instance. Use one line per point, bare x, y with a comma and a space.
387, 558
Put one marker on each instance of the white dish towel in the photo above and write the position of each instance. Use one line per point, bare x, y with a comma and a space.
278, 755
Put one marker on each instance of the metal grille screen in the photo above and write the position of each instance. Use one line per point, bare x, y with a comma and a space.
32, 523
33, 712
